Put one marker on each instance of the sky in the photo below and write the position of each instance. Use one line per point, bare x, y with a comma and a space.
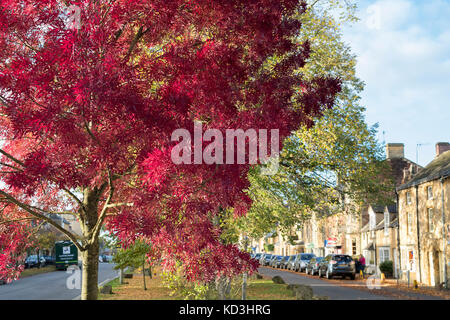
403, 54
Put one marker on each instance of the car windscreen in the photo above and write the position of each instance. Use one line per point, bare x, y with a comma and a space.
342, 258
307, 257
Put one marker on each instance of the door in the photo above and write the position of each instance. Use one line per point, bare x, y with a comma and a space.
431, 265
436, 268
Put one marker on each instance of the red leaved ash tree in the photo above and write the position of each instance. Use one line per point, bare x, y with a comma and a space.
89, 100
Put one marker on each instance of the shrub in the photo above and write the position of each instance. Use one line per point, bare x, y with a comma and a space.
387, 267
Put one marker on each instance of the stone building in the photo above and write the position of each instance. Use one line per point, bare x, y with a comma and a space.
424, 214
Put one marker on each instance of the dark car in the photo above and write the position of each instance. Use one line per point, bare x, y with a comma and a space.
32, 261
302, 260
312, 267
49, 260
337, 265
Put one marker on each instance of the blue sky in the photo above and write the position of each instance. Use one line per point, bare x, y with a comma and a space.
403, 49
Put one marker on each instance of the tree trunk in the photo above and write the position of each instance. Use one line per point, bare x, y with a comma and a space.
143, 274
223, 287
89, 284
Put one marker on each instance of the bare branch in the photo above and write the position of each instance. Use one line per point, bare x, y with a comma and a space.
125, 204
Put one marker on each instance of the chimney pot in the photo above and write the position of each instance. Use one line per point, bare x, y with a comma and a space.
395, 150
441, 147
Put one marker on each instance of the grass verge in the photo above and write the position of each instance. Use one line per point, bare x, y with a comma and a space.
132, 289
34, 271
265, 289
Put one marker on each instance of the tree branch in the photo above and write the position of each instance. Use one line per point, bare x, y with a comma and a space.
40, 216
114, 205
10, 157
96, 230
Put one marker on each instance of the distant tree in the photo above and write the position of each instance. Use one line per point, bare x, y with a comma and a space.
337, 161
133, 256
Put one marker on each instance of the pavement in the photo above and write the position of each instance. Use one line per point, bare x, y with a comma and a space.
323, 288
51, 285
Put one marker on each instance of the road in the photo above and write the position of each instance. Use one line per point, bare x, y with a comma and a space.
322, 287
49, 286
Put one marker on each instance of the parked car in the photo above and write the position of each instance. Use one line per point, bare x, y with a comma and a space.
257, 256
275, 263
337, 265
265, 259
313, 266
49, 260
302, 260
283, 262
272, 260
290, 262
32, 261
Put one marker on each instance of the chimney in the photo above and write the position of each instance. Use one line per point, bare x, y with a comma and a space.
441, 147
395, 150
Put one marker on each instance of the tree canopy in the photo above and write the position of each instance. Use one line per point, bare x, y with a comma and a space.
88, 110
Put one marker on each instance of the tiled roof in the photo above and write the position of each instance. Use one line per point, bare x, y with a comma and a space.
394, 224
365, 228
438, 168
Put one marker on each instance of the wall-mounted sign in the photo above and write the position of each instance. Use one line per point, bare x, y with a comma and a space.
330, 242
448, 234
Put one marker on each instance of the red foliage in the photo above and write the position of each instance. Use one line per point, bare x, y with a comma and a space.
77, 103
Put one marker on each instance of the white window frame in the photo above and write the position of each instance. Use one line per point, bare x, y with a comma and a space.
408, 198
385, 254
431, 226
430, 192
409, 222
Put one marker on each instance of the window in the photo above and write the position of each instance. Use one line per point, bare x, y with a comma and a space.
430, 193
354, 247
409, 222
384, 254
430, 220
408, 198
